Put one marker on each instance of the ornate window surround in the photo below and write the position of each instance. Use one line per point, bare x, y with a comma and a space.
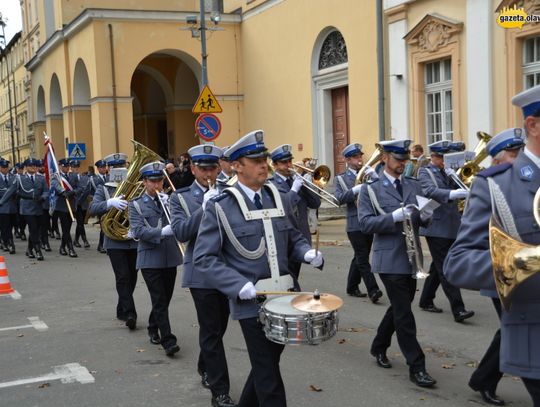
434, 38
514, 57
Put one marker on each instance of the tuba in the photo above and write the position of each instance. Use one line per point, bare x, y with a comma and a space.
472, 167
115, 223
513, 261
375, 157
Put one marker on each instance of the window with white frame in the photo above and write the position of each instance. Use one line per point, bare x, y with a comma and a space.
438, 91
531, 62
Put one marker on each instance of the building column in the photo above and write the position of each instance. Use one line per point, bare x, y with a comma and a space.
37, 129
81, 117
103, 126
55, 131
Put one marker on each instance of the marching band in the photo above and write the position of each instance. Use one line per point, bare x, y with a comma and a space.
241, 234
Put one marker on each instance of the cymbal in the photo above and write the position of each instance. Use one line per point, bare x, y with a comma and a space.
317, 302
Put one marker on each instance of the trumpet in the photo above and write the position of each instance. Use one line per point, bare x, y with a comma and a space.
321, 175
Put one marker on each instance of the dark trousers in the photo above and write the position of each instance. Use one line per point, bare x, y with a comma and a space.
80, 215
294, 271
125, 274
6, 226
20, 223
399, 317
360, 267
264, 385
45, 220
487, 375
34, 231
213, 314
533, 387
160, 283
65, 224
54, 222
438, 248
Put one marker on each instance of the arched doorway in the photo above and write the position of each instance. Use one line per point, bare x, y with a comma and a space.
330, 90
55, 118
164, 88
81, 112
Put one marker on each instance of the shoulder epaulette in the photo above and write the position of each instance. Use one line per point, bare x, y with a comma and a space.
496, 169
220, 197
183, 189
410, 177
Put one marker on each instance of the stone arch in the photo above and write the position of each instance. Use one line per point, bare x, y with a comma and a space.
55, 96
40, 105
81, 84
55, 118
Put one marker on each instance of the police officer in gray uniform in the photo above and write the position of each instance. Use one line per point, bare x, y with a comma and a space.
231, 253
503, 148
45, 218
122, 253
381, 213
442, 231
8, 206
99, 178
226, 172
158, 254
212, 306
302, 199
65, 192
33, 191
506, 192
82, 191
346, 192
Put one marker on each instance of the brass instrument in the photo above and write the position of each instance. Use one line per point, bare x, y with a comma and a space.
513, 261
362, 177
320, 177
472, 167
412, 241
115, 223
167, 212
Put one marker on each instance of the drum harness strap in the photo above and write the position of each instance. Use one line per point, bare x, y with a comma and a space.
501, 210
266, 216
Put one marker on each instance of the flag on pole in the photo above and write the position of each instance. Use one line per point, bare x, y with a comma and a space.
51, 172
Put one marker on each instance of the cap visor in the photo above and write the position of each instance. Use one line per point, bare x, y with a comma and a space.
401, 156
205, 164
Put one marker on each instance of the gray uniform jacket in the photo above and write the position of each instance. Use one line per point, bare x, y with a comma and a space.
468, 264
223, 268
61, 200
98, 207
344, 183
186, 226
222, 178
389, 247
82, 191
8, 194
32, 194
153, 252
446, 218
301, 202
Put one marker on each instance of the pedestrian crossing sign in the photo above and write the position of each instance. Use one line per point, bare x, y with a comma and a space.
207, 102
77, 151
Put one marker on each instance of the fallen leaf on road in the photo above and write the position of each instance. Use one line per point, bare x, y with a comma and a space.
156, 375
428, 349
20, 335
140, 350
472, 363
42, 386
448, 366
92, 302
342, 341
93, 371
313, 388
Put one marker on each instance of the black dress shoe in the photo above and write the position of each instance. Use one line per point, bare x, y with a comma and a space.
30, 254
154, 338
171, 350
131, 323
422, 379
47, 247
375, 295
76, 243
72, 252
39, 255
57, 236
86, 244
382, 360
223, 400
432, 308
204, 380
463, 315
62, 251
490, 397
357, 293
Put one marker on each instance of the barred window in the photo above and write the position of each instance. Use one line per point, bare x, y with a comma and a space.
438, 91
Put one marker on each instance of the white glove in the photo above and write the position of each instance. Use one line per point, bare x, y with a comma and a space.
166, 231
356, 189
371, 173
398, 215
247, 292
426, 214
458, 194
209, 195
163, 197
118, 203
297, 184
130, 234
313, 257
449, 171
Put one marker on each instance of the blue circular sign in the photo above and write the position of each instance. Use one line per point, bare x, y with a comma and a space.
208, 126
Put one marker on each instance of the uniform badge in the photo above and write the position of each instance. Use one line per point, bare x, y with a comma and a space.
117, 156
518, 132
259, 136
196, 192
386, 183
207, 149
406, 144
286, 147
145, 199
156, 166
527, 172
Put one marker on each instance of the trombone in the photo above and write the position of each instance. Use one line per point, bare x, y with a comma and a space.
321, 175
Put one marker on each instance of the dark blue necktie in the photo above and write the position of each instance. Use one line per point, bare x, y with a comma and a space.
257, 201
32, 178
399, 187
289, 182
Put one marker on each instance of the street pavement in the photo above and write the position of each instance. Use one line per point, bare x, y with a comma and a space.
76, 299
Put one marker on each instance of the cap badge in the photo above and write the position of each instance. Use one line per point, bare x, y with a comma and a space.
207, 149
259, 136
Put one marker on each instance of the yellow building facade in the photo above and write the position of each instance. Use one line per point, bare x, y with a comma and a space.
305, 71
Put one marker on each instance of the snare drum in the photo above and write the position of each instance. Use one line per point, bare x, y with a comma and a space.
284, 324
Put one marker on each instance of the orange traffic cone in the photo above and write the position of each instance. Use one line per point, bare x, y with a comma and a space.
5, 285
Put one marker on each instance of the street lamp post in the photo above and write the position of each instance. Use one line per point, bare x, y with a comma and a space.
11, 124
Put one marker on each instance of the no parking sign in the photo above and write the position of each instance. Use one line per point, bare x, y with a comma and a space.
208, 126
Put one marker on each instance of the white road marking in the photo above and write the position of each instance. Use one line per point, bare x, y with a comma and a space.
15, 295
35, 322
69, 373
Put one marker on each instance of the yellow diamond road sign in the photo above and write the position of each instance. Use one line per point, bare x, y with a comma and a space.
207, 102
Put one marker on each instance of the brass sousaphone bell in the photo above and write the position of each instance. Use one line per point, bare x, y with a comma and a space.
513, 261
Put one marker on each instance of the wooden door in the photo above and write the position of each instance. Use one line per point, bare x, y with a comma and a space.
340, 125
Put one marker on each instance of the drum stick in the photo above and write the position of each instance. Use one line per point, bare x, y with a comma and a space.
317, 240
283, 292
